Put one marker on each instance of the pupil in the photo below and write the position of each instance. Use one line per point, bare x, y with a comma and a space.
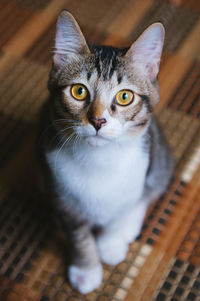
124, 96
80, 90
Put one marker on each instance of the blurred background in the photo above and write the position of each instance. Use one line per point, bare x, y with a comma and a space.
164, 263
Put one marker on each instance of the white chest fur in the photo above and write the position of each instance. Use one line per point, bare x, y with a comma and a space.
100, 182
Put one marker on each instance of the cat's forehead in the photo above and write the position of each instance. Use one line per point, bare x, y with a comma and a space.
104, 69
107, 61
102, 65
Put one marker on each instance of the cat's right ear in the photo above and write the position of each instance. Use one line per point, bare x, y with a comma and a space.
69, 41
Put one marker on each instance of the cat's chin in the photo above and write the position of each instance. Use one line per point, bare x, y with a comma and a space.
97, 141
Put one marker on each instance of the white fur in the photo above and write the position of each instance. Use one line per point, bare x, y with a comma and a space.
100, 182
112, 249
85, 280
113, 243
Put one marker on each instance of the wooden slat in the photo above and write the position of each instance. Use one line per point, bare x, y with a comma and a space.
147, 275
12, 14
191, 46
171, 73
158, 262
122, 26
31, 30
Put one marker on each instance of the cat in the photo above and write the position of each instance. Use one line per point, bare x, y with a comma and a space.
102, 153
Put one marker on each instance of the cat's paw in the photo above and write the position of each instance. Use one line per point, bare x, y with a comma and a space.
85, 280
112, 250
130, 234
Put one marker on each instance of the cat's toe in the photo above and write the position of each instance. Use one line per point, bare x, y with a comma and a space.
112, 251
85, 280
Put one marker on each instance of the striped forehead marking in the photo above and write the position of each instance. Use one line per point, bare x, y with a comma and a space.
106, 62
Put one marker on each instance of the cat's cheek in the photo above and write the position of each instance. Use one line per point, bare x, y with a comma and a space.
85, 131
111, 133
113, 129
128, 125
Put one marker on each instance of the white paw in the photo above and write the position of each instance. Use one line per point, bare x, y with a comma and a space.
85, 280
112, 250
130, 234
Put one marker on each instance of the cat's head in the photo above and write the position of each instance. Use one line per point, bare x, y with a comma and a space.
104, 93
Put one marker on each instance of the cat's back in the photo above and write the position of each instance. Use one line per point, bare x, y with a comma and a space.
161, 163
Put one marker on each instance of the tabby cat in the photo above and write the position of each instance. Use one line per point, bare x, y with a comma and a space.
103, 155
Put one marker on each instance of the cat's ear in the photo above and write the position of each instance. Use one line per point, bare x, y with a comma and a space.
69, 41
147, 49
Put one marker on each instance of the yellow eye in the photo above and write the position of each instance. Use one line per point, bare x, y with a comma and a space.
124, 97
79, 92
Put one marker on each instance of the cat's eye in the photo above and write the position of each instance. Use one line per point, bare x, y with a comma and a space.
124, 97
79, 92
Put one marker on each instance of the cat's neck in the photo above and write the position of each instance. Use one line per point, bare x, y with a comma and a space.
118, 150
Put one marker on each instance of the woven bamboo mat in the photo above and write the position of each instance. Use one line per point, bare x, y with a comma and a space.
164, 263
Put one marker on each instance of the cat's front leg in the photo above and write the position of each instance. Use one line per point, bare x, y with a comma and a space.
114, 241
111, 247
85, 271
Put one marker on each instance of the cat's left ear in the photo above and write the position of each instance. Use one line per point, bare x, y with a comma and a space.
69, 41
147, 49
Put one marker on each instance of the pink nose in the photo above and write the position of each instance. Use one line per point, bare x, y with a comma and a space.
98, 122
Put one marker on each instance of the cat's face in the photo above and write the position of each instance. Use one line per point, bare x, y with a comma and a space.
105, 94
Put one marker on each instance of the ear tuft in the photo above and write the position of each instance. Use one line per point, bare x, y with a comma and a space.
147, 49
69, 41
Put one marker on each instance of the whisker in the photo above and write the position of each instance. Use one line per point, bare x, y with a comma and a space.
67, 128
77, 139
56, 136
44, 132
65, 120
60, 132
58, 152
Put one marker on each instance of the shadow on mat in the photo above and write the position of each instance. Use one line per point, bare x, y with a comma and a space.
30, 214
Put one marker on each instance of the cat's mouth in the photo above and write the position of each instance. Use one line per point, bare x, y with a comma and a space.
93, 137
97, 140
98, 136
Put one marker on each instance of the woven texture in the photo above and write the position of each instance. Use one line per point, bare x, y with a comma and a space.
164, 263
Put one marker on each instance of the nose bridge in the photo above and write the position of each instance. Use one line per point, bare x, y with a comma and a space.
95, 114
96, 109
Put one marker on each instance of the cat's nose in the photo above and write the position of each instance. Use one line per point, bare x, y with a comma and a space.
97, 122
